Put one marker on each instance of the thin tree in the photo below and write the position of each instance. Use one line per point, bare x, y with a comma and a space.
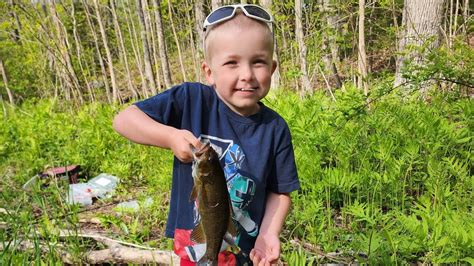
267, 4
362, 56
123, 51
215, 4
66, 69
3, 72
162, 44
176, 39
135, 45
199, 18
151, 37
105, 42
146, 49
192, 42
330, 47
78, 46
17, 28
465, 15
99, 53
306, 85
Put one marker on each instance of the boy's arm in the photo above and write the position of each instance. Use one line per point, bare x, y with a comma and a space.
267, 246
138, 127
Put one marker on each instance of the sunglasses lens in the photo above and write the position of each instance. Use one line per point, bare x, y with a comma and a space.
220, 13
258, 12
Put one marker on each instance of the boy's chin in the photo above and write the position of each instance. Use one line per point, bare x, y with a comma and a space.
246, 109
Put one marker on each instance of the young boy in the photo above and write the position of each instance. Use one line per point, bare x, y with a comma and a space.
253, 141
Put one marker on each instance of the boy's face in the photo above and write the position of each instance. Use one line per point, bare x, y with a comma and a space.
240, 67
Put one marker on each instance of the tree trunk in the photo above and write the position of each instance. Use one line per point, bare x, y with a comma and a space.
330, 47
306, 85
162, 45
465, 15
79, 51
99, 53
3, 72
215, 4
176, 39
122, 50
115, 92
151, 37
134, 42
192, 43
146, 49
421, 21
66, 69
267, 4
16, 29
362, 56
199, 17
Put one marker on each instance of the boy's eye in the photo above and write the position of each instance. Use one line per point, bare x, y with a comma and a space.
230, 63
260, 62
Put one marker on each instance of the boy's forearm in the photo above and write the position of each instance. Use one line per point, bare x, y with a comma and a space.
138, 127
277, 208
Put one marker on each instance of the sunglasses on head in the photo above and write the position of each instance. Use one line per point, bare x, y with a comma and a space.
227, 12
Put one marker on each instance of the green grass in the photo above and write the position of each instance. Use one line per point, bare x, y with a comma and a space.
389, 184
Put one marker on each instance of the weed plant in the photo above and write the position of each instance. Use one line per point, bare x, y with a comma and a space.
386, 184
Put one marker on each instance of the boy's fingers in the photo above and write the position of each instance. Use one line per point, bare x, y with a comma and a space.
193, 140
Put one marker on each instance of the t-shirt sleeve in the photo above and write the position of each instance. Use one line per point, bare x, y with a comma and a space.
166, 107
283, 175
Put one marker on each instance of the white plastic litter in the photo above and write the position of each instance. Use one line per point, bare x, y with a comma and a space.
131, 205
134, 205
80, 193
101, 186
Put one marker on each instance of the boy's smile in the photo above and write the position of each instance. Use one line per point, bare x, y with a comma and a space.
240, 66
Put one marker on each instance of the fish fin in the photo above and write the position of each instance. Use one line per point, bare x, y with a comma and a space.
198, 235
231, 227
206, 262
194, 194
230, 240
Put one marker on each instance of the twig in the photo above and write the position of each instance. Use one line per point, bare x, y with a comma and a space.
100, 238
327, 83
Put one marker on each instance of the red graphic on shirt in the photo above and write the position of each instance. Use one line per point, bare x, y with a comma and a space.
183, 242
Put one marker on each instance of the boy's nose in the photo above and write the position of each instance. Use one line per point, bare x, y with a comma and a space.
246, 73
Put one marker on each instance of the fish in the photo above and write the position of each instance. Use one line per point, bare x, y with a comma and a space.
213, 204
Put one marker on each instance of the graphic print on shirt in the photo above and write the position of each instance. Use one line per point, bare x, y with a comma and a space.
241, 190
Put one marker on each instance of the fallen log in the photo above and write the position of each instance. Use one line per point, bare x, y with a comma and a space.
120, 254
116, 252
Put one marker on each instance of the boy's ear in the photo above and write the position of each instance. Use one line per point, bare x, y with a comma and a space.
207, 72
274, 66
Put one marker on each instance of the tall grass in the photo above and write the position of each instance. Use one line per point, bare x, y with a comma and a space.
389, 184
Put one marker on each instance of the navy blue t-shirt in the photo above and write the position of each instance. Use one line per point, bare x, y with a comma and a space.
255, 152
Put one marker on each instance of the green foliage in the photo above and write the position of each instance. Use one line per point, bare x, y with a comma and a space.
390, 182
453, 66
46, 134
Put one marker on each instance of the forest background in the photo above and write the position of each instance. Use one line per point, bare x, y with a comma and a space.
377, 95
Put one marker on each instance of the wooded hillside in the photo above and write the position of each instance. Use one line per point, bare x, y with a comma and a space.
112, 50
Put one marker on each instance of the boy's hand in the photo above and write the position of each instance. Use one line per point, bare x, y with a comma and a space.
266, 250
181, 143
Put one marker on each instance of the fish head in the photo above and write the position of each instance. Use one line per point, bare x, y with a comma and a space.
205, 160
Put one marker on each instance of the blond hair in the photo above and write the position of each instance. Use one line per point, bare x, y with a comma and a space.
240, 22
